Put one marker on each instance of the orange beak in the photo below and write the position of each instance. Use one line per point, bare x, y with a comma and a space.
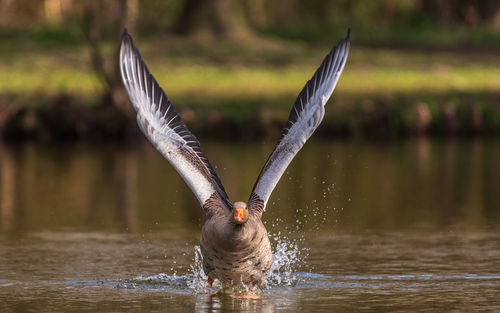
239, 215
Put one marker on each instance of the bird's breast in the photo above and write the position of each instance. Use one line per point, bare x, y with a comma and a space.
241, 255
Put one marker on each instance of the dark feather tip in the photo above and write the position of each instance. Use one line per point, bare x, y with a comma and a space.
126, 36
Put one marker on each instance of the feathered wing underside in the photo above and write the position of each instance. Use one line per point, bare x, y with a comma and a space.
161, 124
305, 116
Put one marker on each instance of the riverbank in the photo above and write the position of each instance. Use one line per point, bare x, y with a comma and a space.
245, 90
347, 115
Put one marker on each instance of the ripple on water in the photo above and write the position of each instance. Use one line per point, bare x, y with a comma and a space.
288, 257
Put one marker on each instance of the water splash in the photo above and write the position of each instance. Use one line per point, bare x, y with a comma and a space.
286, 257
199, 283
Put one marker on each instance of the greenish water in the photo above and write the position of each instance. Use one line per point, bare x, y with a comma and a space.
409, 226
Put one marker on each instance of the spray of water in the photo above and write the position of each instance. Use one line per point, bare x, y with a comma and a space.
198, 281
286, 257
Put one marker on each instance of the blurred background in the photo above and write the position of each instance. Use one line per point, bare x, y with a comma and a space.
416, 109
233, 68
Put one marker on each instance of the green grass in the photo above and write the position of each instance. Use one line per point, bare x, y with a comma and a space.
241, 71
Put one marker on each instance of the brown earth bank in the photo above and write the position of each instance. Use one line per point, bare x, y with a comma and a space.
382, 116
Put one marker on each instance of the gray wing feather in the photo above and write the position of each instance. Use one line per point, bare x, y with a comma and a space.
305, 116
161, 124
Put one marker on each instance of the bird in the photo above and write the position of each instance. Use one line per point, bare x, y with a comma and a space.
234, 242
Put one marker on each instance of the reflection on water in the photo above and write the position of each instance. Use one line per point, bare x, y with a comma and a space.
343, 185
375, 227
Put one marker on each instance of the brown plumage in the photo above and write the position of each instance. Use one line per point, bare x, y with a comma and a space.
234, 241
236, 252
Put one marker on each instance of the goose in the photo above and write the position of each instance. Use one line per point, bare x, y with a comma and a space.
234, 242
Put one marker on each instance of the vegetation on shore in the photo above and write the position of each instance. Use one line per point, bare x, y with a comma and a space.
246, 89
427, 69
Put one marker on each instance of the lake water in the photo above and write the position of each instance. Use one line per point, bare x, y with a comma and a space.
408, 226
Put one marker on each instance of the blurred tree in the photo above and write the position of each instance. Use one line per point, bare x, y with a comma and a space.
19, 13
469, 12
237, 18
256, 13
221, 18
99, 18
54, 11
440, 11
307, 14
490, 11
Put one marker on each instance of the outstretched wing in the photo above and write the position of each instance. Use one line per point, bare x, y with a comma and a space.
161, 124
307, 112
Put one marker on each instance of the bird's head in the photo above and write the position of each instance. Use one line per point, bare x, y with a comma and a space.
240, 212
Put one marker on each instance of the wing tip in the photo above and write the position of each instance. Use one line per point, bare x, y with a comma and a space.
125, 35
345, 42
126, 40
342, 47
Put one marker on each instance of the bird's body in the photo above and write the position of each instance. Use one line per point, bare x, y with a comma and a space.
234, 242
236, 253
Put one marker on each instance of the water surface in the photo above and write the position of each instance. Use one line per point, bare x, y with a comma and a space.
410, 226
